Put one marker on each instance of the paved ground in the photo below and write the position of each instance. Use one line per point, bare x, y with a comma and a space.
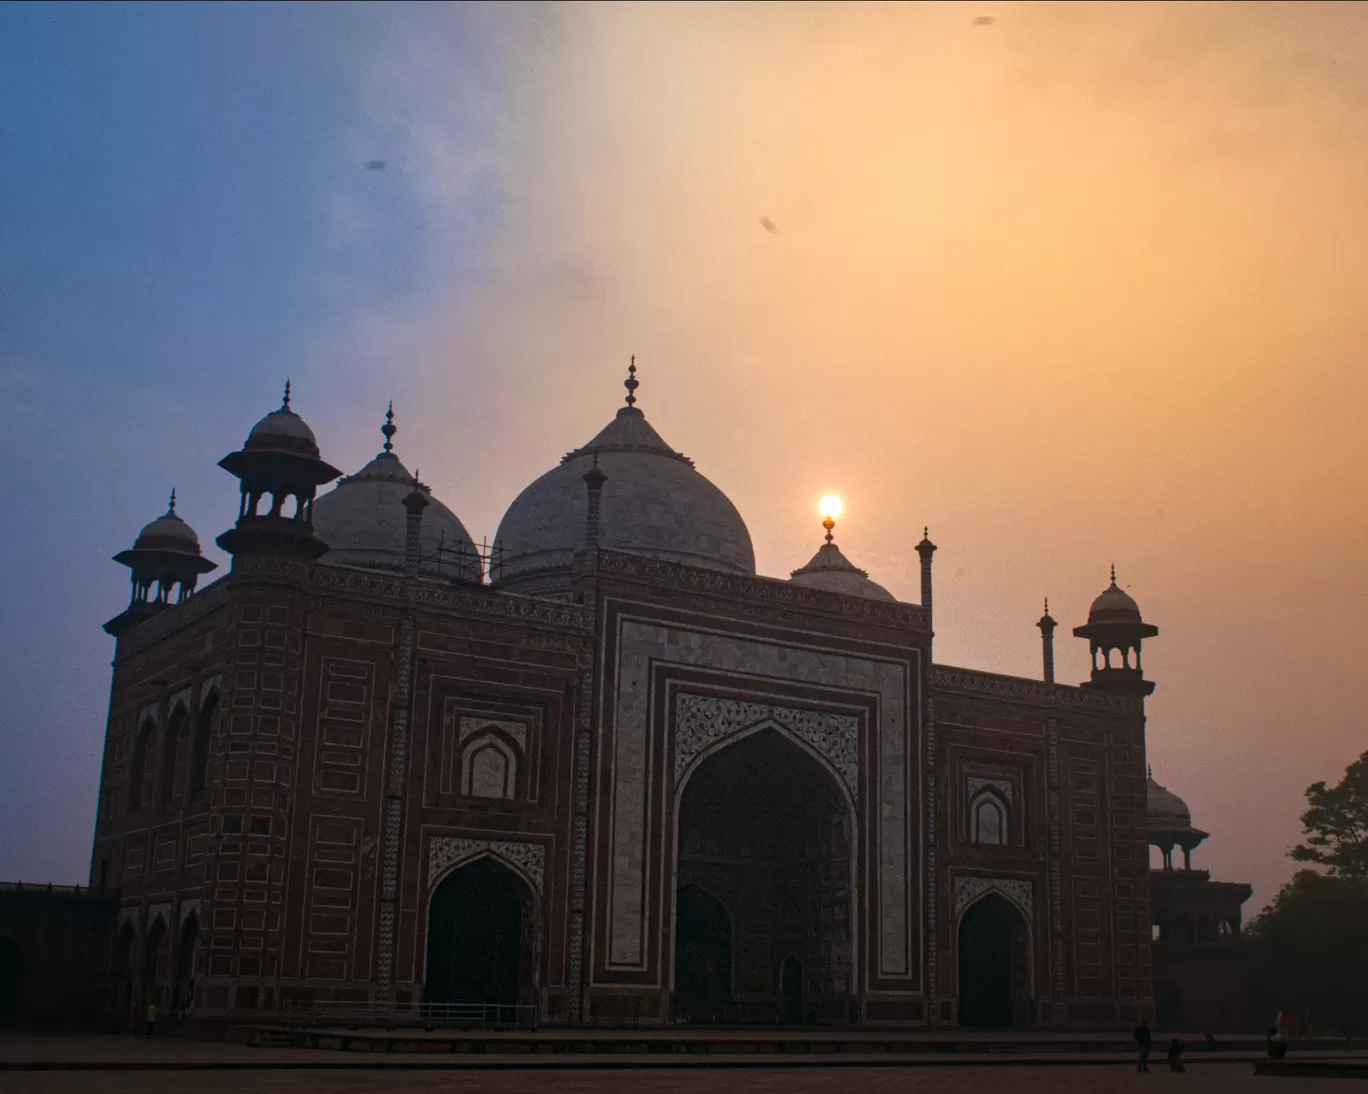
178, 1066
1211, 1079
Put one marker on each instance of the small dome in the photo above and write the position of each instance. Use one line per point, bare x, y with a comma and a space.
654, 503
1114, 606
168, 533
363, 522
1167, 811
282, 430
832, 571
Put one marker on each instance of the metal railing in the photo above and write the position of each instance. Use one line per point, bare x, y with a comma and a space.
355, 1015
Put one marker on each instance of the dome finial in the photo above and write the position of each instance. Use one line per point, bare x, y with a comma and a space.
389, 429
285, 403
1113, 573
171, 508
1047, 605
1149, 771
631, 383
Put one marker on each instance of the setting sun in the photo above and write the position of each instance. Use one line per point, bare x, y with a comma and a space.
830, 506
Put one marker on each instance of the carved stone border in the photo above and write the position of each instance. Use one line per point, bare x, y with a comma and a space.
528, 859
701, 721
975, 783
472, 724
1016, 890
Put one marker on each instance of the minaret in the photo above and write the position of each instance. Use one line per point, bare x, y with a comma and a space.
1047, 629
594, 480
280, 459
1115, 627
926, 549
165, 554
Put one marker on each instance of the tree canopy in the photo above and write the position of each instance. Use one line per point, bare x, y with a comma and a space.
1316, 928
1336, 824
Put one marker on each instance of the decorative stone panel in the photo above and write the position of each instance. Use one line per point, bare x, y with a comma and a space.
445, 852
702, 721
1016, 890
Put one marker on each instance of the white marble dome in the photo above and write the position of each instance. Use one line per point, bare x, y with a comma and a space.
832, 571
168, 533
1165, 809
364, 523
653, 503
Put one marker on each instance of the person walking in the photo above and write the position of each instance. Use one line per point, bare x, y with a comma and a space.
151, 1019
1143, 1040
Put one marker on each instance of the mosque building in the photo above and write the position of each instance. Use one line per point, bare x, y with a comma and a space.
603, 769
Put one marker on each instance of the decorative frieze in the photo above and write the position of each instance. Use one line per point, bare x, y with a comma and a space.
970, 888
702, 721
447, 852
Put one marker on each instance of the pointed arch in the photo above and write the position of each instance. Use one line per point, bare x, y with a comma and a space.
199, 746
989, 818
698, 758
171, 750
137, 766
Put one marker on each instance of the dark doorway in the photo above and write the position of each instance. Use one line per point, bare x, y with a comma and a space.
764, 833
154, 961
185, 963
994, 973
477, 937
703, 956
11, 982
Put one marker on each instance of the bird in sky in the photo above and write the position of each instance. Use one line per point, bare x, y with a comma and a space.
769, 225
983, 20
375, 165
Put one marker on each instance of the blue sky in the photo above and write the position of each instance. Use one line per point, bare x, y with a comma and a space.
169, 252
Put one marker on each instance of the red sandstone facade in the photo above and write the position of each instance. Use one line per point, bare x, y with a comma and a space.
718, 797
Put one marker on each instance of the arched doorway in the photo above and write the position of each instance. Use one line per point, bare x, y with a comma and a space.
185, 964
11, 982
154, 962
764, 832
703, 956
994, 965
479, 937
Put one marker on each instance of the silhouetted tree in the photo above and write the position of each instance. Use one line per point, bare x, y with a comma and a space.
1336, 825
1317, 930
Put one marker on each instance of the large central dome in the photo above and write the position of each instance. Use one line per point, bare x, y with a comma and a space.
654, 503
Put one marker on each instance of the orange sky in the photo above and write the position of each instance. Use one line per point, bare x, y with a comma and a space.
1082, 286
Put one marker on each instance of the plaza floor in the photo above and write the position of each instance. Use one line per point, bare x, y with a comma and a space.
115, 1065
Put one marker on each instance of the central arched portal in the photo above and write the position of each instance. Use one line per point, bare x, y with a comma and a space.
994, 965
478, 938
763, 892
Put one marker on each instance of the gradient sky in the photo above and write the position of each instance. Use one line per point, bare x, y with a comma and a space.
1084, 285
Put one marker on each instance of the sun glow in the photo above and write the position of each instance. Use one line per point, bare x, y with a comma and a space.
830, 506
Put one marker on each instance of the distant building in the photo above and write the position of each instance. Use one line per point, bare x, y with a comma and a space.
54, 954
1201, 972
603, 769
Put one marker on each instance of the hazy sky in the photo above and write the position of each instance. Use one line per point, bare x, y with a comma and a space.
1083, 285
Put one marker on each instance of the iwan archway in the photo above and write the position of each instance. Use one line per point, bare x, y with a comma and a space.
764, 923
481, 936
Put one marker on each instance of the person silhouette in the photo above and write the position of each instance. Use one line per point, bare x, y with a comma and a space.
1143, 1040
